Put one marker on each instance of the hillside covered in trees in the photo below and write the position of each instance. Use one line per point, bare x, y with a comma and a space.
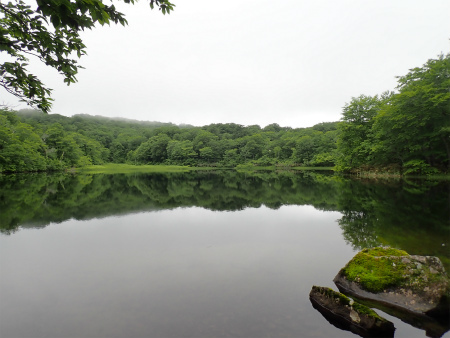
34, 141
404, 132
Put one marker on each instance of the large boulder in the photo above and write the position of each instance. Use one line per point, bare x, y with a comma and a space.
415, 288
348, 315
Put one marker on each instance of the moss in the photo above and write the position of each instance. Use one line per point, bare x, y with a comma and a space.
344, 300
374, 271
378, 269
362, 309
330, 293
385, 251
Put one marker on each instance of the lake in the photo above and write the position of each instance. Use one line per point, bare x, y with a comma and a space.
198, 254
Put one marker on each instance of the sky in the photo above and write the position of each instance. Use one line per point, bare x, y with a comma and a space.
291, 62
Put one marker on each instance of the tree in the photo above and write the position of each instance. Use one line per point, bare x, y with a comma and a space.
181, 151
51, 34
154, 150
356, 139
203, 139
61, 146
415, 125
206, 153
92, 149
408, 130
21, 149
305, 149
253, 147
231, 158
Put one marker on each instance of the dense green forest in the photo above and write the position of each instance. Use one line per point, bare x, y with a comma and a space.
407, 131
34, 141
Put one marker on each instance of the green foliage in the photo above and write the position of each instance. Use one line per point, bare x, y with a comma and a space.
231, 158
181, 151
50, 33
410, 128
323, 160
418, 167
356, 136
84, 161
152, 151
206, 153
21, 149
83, 139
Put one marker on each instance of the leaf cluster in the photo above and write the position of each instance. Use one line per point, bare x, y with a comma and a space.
50, 33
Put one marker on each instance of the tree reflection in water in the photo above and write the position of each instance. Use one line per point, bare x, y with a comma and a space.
411, 215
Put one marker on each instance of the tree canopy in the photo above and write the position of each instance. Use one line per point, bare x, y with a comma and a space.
403, 132
34, 141
408, 129
50, 32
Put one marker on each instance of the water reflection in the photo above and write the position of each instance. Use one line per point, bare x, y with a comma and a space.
173, 273
414, 216
169, 264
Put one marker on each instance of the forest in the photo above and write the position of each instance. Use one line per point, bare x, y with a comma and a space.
406, 131
34, 141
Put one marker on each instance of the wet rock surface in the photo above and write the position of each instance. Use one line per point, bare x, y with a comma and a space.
415, 283
412, 288
348, 315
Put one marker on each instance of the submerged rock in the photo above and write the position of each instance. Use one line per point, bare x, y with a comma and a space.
348, 315
415, 288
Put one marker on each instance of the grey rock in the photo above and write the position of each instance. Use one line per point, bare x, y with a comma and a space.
421, 297
348, 315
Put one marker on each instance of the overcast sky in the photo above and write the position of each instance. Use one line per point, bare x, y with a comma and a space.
291, 62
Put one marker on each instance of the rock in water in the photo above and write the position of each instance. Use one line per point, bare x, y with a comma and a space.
345, 314
416, 288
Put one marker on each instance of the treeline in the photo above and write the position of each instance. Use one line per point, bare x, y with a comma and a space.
34, 141
404, 132
407, 131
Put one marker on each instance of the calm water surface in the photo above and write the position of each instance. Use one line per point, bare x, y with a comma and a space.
199, 255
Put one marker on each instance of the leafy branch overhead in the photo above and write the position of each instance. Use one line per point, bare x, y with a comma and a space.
50, 33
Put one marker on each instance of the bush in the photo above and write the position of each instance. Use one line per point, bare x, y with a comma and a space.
418, 167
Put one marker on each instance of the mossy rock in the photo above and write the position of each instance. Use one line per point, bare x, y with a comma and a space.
349, 315
393, 277
378, 268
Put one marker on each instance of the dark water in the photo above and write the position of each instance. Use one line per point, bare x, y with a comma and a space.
197, 254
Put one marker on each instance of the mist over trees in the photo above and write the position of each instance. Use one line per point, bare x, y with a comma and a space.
407, 132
